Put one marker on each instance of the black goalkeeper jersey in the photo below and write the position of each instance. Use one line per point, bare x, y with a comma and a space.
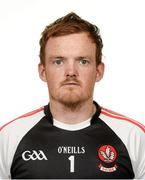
112, 147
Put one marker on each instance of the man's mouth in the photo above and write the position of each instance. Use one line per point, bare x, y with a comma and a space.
71, 83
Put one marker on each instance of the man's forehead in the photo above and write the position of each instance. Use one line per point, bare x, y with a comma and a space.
84, 36
73, 45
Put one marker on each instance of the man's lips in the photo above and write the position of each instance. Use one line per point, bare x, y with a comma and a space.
71, 83
75, 84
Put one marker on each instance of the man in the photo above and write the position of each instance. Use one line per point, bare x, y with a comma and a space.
72, 137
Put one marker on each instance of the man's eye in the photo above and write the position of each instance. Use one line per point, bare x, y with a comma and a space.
58, 62
84, 61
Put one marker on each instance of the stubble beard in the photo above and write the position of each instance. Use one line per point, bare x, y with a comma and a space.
71, 100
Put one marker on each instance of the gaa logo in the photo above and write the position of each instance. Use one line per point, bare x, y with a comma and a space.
107, 153
33, 155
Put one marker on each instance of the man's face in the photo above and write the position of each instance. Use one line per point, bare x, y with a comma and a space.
70, 68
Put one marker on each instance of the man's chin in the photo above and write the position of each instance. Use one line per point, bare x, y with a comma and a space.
71, 101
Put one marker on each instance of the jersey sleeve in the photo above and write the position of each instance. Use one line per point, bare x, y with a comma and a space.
139, 167
4, 173
10, 137
132, 134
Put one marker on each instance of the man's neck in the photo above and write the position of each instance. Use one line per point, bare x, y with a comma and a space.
64, 114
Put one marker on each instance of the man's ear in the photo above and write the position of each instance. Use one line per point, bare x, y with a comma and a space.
42, 72
100, 72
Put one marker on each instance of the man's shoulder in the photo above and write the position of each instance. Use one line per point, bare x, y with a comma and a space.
14, 131
130, 131
22, 120
120, 121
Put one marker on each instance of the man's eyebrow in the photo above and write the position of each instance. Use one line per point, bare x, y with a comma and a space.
56, 57
83, 57
63, 57
52, 58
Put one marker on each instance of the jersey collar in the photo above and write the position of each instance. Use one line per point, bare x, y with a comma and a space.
49, 116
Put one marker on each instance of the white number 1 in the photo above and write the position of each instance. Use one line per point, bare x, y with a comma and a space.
72, 163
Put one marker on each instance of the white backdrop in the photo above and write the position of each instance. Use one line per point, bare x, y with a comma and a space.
122, 27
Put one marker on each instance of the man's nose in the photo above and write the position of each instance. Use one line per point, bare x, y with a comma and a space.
71, 69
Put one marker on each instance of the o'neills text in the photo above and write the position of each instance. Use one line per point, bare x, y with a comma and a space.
71, 150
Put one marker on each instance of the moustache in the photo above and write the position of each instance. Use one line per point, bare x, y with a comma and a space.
71, 80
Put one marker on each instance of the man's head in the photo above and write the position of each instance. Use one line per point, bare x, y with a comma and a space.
70, 57
70, 24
